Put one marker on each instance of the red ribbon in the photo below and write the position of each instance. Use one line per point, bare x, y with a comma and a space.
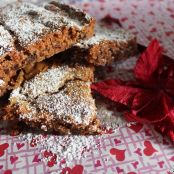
150, 98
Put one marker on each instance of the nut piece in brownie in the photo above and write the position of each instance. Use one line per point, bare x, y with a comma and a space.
105, 46
31, 33
57, 99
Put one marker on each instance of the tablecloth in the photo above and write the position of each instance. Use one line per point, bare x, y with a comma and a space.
133, 149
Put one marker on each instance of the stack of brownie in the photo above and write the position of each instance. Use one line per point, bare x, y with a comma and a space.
48, 55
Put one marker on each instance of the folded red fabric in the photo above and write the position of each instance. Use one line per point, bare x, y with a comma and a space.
150, 97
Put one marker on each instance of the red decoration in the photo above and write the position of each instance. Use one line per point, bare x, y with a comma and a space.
8, 172
13, 159
136, 127
119, 154
36, 159
51, 158
3, 147
77, 169
149, 149
150, 97
19, 145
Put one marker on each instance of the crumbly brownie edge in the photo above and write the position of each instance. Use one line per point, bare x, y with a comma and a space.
108, 51
46, 47
57, 126
54, 125
10, 113
104, 52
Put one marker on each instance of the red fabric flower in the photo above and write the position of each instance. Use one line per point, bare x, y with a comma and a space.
150, 98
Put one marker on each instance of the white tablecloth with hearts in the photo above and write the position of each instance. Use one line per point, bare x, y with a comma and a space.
132, 150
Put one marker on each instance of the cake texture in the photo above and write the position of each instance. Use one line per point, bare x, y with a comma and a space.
56, 99
105, 46
31, 33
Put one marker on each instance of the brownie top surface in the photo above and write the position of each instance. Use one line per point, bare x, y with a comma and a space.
27, 23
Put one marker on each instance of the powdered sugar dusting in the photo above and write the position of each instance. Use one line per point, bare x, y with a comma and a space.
41, 96
2, 82
46, 82
64, 18
29, 22
110, 119
104, 34
5, 2
64, 148
76, 146
68, 148
6, 41
17, 20
61, 106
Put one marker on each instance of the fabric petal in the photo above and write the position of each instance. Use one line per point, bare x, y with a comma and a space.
168, 76
148, 63
117, 91
166, 127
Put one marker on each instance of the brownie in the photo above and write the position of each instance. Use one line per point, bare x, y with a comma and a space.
31, 33
105, 46
58, 98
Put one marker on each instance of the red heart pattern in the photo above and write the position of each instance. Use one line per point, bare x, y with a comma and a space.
52, 161
8, 172
117, 141
51, 158
13, 159
119, 170
135, 164
149, 149
156, 20
98, 163
19, 145
77, 169
172, 158
36, 159
3, 147
161, 164
119, 154
138, 151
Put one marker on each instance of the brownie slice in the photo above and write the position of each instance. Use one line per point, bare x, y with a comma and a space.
57, 99
31, 33
105, 46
